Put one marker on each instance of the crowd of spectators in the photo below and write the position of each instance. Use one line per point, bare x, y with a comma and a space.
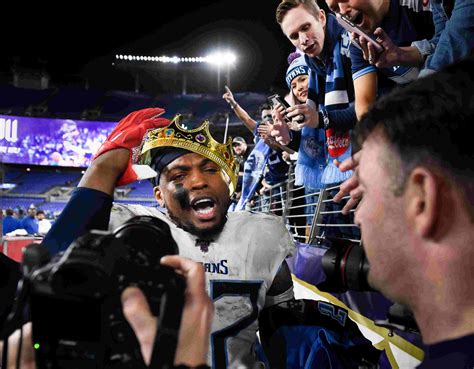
16, 223
334, 76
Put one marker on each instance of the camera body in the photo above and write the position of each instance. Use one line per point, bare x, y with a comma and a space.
75, 301
346, 267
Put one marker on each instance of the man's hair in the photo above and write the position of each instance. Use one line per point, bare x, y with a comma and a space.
9, 212
286, 5
40, 212
428, 123
264, 106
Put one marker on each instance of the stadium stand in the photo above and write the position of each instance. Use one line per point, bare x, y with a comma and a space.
16, 101
53, 207
12, 175
21, 202
71, 102
39, 181
117, 104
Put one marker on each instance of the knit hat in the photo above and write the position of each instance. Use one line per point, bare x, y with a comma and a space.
297, 67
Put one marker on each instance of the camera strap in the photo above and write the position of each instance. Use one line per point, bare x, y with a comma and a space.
169, 321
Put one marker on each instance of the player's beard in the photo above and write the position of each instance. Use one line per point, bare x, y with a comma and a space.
205, 234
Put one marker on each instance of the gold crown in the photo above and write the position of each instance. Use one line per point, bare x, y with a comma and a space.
198, 140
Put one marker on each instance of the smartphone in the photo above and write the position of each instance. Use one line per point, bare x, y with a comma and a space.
351, 27
274, 100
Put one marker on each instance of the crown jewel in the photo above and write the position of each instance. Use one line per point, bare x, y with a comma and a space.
198, 140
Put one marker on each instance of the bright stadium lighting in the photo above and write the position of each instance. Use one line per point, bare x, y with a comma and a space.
221, 58
230, 57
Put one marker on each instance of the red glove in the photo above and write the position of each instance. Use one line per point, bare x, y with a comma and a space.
128, 134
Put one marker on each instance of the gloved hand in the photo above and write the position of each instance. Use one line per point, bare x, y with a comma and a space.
128, 134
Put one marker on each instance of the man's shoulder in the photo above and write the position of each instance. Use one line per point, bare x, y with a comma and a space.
11, 220
251, 216
455, 353
257, 226
413, 5
120, 213
262, 233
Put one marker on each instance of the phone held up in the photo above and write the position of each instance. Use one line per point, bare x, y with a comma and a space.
274, 100
351, 27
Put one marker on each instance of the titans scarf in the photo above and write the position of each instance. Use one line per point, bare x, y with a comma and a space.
328, 84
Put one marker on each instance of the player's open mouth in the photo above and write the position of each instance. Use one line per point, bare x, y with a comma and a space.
205, 208
359, 19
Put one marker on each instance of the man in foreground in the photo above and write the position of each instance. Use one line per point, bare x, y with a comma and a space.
415, 177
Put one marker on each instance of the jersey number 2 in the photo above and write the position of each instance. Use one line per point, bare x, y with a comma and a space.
220, 289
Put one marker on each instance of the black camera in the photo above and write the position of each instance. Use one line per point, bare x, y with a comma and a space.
345, 265
75, 305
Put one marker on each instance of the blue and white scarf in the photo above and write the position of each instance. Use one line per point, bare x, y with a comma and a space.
333, 144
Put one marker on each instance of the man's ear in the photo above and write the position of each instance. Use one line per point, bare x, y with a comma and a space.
423, 201
322, 18
159, 196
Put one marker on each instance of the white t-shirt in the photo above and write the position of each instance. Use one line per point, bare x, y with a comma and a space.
43, 226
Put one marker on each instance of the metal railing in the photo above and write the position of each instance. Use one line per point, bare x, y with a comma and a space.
309, 217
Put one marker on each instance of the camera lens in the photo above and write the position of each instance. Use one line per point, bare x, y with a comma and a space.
346, 268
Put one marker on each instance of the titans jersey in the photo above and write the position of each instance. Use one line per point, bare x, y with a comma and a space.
240, 265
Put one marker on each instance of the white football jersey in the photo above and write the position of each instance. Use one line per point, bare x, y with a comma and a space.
240, 265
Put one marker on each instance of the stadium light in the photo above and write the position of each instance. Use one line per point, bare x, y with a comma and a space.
217, 58
221, 59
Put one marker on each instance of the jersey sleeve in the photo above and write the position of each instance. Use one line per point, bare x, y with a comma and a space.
87, 209
359, 65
